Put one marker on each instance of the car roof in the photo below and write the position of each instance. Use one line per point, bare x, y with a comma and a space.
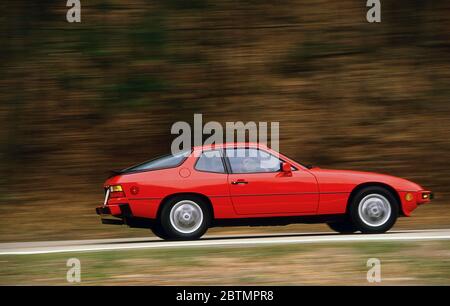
231, 145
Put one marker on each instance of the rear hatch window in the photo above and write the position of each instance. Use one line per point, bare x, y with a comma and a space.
162, 162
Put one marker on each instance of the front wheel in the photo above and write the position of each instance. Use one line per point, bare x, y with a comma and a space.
374, 210
185, 218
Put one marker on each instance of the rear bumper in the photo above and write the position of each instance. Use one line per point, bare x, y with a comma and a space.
103, 210
121, 214
113, 221
119, 210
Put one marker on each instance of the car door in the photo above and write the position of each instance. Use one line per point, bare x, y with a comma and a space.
259, 187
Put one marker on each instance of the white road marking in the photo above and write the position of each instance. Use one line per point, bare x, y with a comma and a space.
31, 248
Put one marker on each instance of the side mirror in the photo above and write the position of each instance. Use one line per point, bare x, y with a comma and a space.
286, 168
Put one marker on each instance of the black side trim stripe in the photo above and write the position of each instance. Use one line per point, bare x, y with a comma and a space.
252, 195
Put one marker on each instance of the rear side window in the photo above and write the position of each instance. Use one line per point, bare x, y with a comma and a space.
210, 161
163, 162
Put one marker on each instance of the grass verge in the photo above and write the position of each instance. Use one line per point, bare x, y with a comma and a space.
406, 263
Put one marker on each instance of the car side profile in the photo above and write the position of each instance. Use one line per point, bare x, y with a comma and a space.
180, 196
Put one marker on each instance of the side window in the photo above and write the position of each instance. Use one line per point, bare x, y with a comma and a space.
163, 162
210, 161
247, 160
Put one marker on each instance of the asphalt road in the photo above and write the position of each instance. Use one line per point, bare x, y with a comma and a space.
46, 247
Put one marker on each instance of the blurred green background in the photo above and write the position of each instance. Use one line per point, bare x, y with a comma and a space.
79, 99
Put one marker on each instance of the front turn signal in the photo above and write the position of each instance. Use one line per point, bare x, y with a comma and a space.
409, 196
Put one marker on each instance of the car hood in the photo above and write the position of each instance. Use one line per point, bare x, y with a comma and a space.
347, 179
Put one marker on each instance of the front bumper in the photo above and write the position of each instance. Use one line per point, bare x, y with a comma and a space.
424, 196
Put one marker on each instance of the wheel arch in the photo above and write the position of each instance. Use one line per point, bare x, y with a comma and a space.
201, 196
377, 184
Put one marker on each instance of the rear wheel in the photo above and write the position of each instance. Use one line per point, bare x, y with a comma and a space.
343, 227
374, 210
185, 218
158, 231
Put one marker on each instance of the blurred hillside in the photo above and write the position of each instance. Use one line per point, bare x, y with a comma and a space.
79, 99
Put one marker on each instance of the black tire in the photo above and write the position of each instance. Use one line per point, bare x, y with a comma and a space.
170, 229
343, 227
388, 217
158, 231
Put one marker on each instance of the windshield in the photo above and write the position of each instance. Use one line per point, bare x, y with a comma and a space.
162, 162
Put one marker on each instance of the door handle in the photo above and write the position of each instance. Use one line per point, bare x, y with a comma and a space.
238, 182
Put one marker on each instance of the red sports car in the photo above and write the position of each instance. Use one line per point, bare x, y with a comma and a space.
180, 196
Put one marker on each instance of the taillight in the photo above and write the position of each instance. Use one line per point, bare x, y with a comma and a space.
116, 191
